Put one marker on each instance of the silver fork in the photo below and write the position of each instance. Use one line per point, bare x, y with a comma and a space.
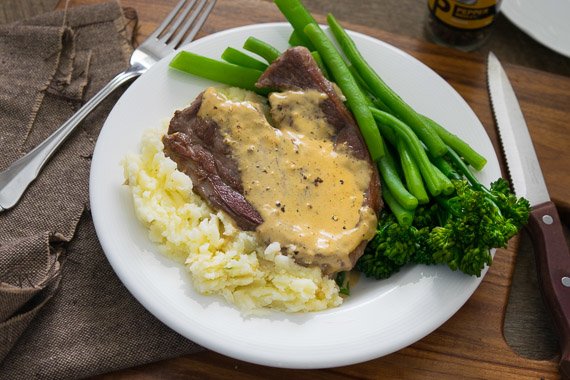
178, 28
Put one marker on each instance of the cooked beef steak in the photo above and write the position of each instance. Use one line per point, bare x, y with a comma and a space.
296, 69
197, 146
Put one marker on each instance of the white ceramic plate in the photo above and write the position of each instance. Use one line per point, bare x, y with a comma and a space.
547, 21
379, 317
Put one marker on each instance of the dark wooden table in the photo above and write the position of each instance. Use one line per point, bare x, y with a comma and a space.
471, 344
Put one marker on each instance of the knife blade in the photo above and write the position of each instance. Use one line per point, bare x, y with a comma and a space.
551, 250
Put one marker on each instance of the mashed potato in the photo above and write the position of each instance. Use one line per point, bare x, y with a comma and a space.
220, 258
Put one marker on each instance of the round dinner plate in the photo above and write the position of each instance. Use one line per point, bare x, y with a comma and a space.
378, 318
547, 21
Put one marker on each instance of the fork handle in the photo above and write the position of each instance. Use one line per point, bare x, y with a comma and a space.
17, 177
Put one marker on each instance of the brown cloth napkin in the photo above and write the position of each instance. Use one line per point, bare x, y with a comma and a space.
63, 311
15, 10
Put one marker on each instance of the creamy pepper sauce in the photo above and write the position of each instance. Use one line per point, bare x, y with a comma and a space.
309, 193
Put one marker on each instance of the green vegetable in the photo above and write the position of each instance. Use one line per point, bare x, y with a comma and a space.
381, 90
320, 63
403, 215
261, 48
239, 58
341, 280
457, 230
391, 180
294, 40
391, 248
447, 186
354, 97
461, 147
412, 174
299, 17
371, 99
218, 71
513, 208
432, 180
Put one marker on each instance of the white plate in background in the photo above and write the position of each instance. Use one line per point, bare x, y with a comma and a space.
547, 21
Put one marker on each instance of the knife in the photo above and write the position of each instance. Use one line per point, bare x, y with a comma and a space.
551, 250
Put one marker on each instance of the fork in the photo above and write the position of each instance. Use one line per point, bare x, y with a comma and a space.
178, 28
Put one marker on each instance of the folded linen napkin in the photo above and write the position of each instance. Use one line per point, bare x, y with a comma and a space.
63, 312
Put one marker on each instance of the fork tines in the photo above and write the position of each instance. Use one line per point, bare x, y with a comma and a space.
183, 22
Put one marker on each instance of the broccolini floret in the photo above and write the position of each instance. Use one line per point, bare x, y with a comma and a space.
457, 230
393, 246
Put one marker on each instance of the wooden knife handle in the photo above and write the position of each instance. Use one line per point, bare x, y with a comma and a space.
553, 265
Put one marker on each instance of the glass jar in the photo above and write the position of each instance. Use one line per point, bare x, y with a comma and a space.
462, 24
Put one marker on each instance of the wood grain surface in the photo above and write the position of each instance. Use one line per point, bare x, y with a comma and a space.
471, 343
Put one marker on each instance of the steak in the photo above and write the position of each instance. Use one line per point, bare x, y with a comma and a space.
198, 147
296, 69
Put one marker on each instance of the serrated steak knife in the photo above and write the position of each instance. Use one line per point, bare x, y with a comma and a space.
552, 255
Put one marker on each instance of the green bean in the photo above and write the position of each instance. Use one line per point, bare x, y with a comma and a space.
218, 71
381, 90
380, 104
320, 63
362, 85
412, 174
446, 168
447, 186
295, 40
389, 173
261, 48
376, 103
446, 172
355, 99
458, 162
299, 17
385, 120
239, 58
369, 100
403, 215
461, 147
458, 145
